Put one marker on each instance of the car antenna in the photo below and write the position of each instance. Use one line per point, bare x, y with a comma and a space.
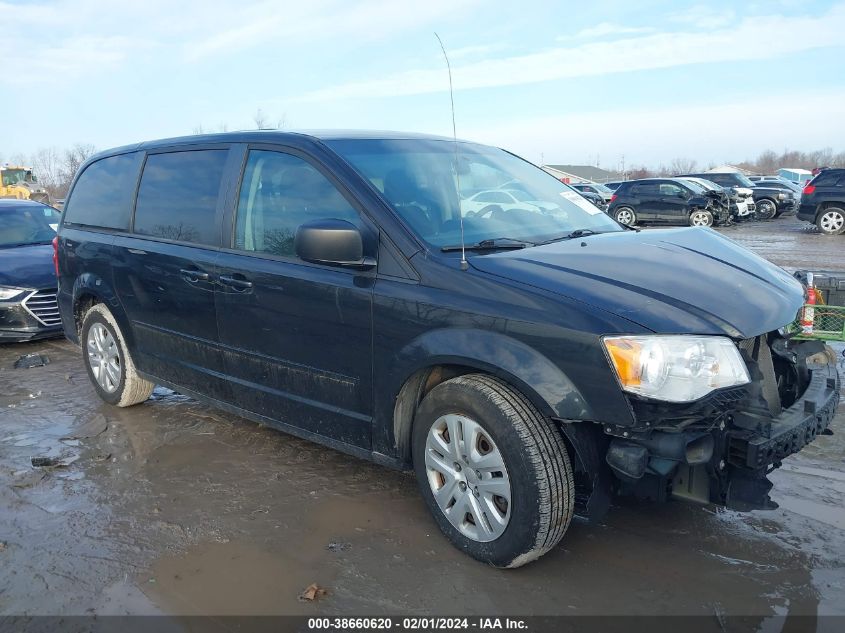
464, 264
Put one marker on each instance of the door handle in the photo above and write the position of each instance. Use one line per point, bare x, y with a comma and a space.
239, 283
194, 275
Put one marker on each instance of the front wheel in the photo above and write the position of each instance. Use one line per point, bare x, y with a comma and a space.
625, 215
493, 470
766, 209
108, 362
701, 217
831, 221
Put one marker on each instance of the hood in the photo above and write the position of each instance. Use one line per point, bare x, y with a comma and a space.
771, 191
689, 281
28, 267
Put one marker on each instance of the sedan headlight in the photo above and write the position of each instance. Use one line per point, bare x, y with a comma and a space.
781, 196
8, 292
675, 368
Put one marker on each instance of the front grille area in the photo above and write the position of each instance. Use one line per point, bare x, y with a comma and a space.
43, 306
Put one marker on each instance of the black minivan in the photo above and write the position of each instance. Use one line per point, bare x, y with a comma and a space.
528, 361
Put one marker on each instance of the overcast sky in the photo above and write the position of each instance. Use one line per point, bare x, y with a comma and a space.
563, 82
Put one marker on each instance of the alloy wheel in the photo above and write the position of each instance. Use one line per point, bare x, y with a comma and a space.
623, 216
831, 221
468, 477
699, 218
104, 357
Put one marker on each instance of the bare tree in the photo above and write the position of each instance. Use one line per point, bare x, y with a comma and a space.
260, 120
75, 156
682, 166
48, 166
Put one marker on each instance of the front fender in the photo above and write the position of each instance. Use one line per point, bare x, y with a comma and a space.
502, 356
399, 387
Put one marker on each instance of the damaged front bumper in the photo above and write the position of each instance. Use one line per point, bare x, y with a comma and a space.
721, 449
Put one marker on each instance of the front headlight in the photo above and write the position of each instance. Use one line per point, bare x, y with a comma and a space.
781, 196
8, 292
675, 368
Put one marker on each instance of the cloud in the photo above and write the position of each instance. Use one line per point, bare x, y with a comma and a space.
320, 21
606, 29
740, 42
704, 17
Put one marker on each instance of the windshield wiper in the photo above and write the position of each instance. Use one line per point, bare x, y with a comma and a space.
489, 245
571, 235
16, 244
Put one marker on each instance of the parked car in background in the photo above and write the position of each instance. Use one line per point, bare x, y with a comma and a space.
594, 198
506, 199
740, 204
28, 309
319, 285
778, 183
667, 201
605, 192
770, 202
823, 202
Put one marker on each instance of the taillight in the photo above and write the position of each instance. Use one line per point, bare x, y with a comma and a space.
613, 197
56, 254
809, 189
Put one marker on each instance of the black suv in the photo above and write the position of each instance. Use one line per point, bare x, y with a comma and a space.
550, 359
667, 201
823, 202
770, 202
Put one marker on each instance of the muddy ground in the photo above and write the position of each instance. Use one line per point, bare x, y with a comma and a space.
172, 507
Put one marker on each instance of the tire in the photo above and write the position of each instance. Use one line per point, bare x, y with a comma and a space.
625, 215
114, 377
517, 451
767, 209
701, 217
831, 221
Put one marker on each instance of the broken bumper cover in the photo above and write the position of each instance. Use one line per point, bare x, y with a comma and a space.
793, 429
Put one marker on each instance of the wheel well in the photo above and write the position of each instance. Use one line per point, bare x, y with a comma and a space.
832, 204
415, 389
82, 305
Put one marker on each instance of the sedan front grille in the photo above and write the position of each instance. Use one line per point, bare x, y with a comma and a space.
43, 306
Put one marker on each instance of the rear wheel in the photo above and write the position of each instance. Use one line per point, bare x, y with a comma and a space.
493, 470
108, 362
766, 209
831, 221
701, 217
625, 215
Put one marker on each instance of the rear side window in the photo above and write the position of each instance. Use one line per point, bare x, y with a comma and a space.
102, 195
829, 179
646, 189
177, 199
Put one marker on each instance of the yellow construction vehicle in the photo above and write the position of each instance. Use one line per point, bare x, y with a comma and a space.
18, 182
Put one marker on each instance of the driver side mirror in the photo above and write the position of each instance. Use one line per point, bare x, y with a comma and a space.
332, 242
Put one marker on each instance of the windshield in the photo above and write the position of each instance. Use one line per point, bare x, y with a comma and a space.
14, 176
23, 225
744, 181
696, 186
602, 189
495, 193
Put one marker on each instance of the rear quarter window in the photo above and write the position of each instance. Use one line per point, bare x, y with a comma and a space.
177, 199
102, 195
829, 179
